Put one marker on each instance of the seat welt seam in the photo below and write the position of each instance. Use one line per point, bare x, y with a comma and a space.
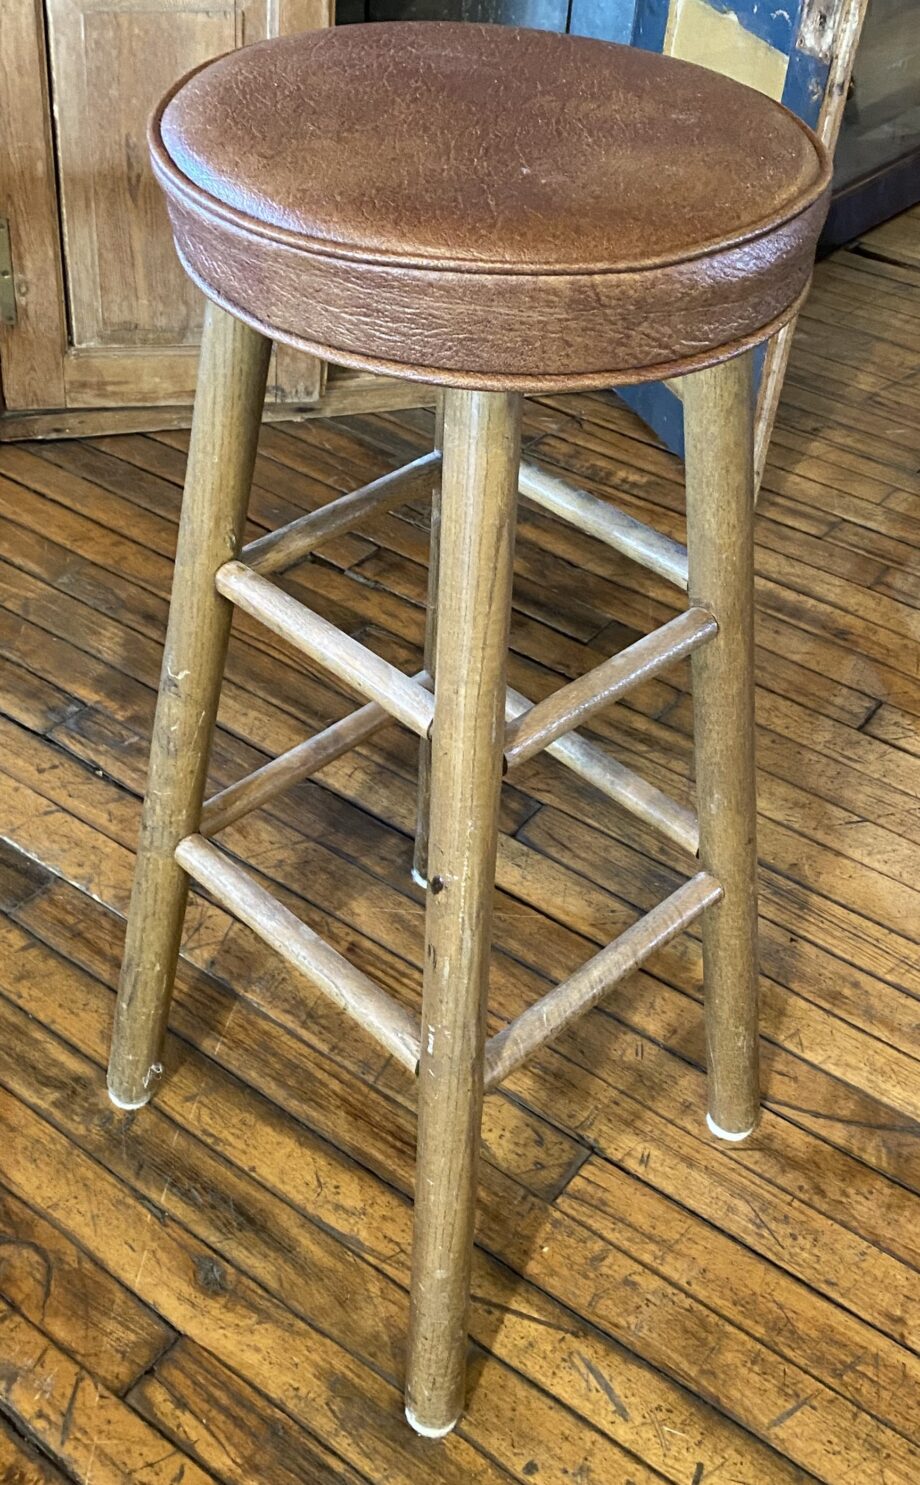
528, 383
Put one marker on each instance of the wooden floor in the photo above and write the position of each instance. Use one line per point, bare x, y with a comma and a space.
215, 1288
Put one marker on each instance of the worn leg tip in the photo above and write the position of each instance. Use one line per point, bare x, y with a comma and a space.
727, 1134
424, 1431
121, 1103
418, 879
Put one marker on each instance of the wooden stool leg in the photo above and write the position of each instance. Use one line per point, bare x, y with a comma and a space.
479, 494
225, 430
718, 416
420, 855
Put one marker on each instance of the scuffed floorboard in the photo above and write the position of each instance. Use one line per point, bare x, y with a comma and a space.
215, 1288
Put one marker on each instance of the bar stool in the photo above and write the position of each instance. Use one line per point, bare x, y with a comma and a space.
494, 211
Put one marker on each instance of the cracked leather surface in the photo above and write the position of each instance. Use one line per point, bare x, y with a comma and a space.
490, 206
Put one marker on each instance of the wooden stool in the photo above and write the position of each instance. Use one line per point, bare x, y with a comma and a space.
494, 211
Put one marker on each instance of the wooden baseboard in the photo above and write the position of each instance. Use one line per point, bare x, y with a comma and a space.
346, 392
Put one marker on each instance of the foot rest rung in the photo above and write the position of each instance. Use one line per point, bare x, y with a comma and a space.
588, 985
595, 765
345, 985
352, 663
297, 764
584, 758
596, 517
598, 688
291, 543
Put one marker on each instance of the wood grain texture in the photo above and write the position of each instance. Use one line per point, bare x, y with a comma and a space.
350, 662
107, 319
423, 810
293, 766
228, 402
32, 351
615, 528
59, 1287
291, 543
719, 430
347, 987
481, 455
22, 1464
593, 981
646, 1305
85, 1428
597, 689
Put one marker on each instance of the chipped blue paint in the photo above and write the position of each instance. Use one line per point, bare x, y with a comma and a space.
806, 81
774, 21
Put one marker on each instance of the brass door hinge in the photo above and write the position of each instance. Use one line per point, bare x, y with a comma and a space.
7, 286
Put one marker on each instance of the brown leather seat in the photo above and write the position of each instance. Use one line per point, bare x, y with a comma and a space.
488, 206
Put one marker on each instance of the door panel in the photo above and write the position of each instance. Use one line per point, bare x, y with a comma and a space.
100, 262
111, 60
32, 349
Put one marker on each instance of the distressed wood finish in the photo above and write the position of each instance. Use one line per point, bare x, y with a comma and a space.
78, 81
329, 971
596, 517
648, 1304
292, 767
847, 21
32, 351
420, 849
78, 1414
282, 548
478, 498
228, 406
588, 985
597, 768
575, 703
346, 392
584, 758
352, 663
720, 546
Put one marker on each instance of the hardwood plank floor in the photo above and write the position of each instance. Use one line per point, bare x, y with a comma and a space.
215, 1288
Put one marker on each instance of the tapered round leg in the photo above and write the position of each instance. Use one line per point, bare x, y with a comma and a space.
420, 855
225, 429
718, 419
478, 501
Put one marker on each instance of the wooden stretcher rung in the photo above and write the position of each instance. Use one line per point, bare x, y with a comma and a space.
297, 764
345, 985
651, 548
599, 688
584, 758
291, 543
352, 663
588, 985
593, 764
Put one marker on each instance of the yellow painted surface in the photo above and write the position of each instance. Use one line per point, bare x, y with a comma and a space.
716, 39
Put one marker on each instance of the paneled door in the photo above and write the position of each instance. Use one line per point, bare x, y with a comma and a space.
101, 314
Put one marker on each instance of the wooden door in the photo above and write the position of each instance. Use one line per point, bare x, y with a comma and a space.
104, 316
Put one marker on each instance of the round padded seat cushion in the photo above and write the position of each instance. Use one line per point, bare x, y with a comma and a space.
490, 206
